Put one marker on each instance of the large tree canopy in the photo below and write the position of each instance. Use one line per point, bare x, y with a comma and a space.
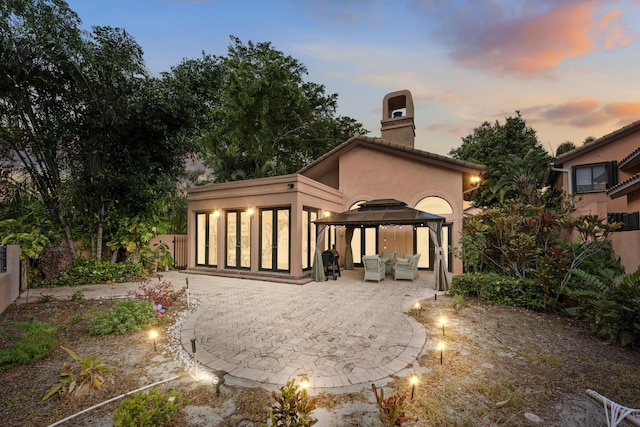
82, 125
516, 161
269, 120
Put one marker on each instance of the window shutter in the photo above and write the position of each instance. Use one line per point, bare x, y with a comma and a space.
612, 173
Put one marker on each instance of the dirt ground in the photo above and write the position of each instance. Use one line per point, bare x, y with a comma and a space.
500, 366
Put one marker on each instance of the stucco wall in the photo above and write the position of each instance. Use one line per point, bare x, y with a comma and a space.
626, 245
10, 280
295, 191
367, 174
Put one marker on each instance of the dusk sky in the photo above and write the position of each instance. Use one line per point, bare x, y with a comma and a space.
572, 68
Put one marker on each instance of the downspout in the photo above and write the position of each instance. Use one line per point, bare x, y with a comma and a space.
569, 181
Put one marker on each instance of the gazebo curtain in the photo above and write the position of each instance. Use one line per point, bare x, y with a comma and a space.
348, 252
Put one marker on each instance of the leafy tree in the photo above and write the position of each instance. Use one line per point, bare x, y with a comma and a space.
565, 147
499, 146
269, 120
39, 40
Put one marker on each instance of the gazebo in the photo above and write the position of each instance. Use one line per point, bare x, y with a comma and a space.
382, 212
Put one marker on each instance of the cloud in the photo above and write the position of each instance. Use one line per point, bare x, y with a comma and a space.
586, 113
527, 37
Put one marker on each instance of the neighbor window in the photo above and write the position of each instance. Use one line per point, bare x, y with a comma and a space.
596, 177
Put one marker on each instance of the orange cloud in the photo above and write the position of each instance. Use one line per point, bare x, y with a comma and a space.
587, 113
537, 39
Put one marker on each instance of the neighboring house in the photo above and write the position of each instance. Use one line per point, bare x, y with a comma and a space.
265, 227
604, 178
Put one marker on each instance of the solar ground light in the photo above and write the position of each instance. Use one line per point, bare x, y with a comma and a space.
217, 377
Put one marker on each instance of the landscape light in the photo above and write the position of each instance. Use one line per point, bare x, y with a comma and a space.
413, 380
441, 348
417, 306
153, 334
304, 383
442, 321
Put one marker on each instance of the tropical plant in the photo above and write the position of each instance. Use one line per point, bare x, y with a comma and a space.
92, 374
610, 301
391, 409
292, 407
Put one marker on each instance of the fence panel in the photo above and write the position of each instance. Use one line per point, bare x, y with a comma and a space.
180, 251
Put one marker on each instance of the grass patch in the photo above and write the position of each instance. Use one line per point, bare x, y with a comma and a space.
27, 342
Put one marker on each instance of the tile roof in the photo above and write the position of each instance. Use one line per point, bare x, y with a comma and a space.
610, 137
399, 149
625, 187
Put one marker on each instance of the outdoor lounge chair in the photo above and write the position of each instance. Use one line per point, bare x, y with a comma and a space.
390, 256
330, 264
374, 268
407, 268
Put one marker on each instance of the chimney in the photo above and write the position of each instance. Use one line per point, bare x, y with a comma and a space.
397, 122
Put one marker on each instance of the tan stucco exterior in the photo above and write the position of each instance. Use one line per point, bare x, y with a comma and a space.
360, 169
620, 151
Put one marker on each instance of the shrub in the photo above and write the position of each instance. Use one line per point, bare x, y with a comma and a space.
610, 301
32, 341
292, 407
498, 289
148, 409
125, 316
162, 293
53, 261
91, 271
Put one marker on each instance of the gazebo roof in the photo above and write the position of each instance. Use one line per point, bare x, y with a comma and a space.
382, 212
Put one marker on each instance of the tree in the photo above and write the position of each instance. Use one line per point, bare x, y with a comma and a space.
269, 120
565, 147
39, 40
83, 125
497, 146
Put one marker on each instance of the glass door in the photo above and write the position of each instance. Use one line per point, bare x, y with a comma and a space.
238, 239
274, 239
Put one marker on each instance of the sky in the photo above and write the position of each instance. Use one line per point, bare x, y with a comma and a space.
571, 67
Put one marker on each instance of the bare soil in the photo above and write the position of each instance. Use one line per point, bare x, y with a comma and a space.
501, 366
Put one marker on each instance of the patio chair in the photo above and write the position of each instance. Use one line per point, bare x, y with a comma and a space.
390, 257
330, 265
407, 268
374, 268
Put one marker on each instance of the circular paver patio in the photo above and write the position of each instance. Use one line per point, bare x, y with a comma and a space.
335, 333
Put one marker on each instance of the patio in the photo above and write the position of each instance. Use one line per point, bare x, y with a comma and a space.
336, 333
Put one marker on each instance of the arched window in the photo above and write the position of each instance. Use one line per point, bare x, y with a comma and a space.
434, 205
423, 244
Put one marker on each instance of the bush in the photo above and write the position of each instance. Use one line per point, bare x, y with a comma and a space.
498, 289
53, 261
161, 293
148, 409
125, 316
90, 271
610, 301
32, 341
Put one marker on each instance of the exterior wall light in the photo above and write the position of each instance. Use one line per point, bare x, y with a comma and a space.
216, 213
250, 211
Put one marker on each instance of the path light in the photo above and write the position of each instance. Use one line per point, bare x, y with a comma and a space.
195, 358
304, 383
413, 380
441, 348
442, 321
417, 306
153, 334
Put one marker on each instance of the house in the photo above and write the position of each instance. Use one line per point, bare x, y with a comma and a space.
265, 227
604, 178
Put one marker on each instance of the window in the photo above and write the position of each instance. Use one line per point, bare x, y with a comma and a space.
596, 177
